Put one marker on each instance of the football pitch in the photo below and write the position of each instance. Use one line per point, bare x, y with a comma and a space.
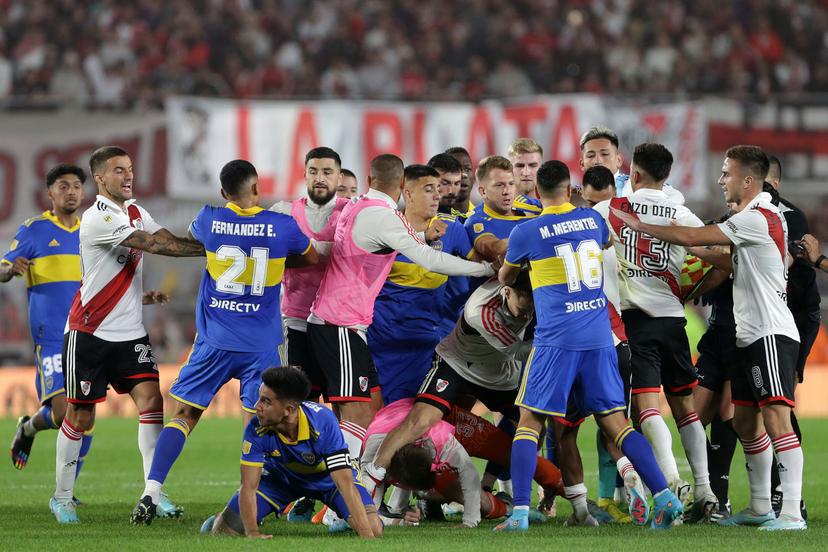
207, 474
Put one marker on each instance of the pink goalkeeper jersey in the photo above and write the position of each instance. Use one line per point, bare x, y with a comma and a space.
301, 284
354, 276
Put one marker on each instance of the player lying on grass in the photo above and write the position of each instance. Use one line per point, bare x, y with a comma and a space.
293, 449
439, 460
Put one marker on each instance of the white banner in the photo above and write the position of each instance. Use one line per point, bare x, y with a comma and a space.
204, 134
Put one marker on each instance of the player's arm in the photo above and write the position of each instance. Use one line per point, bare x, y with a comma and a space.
10, 269
680, 235
514, 257
165, 243
457, 457
714, 256
714, 279
250, 475
18, 260
810, 247
489, 248
343, 478
309, 258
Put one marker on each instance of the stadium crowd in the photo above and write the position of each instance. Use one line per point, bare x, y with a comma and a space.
107, 53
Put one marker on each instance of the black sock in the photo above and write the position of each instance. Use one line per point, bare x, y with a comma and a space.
720, 449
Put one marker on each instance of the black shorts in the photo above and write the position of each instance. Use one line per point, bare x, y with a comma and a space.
660, 354
808, 324
766, 371
718, 355
296, 347
443, 386
90, 364
344, 361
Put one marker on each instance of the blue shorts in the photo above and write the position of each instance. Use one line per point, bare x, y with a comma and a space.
207, 369
591, 377
274, 496
49, 370
401, 371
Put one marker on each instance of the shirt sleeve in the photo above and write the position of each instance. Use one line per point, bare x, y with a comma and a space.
197, 226
150, 226
488, 323
462, 244
378, 228
456, 456
745, 227
298, 243
21, 246
332, 445
476, 229
253, 453
687, 218
105, 227
517, 251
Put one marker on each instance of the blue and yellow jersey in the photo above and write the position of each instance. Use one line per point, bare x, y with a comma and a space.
303, 465
527, 205
564, 249
238, 301
410, 302
54, 276
486, 222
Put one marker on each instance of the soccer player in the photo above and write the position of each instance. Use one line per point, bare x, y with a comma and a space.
105, 341
293, 449
347, 187
654, 321
450, 174
237, 313
766, 334
46, 251
404, 330
462, 203
369, 234
572, 352
316, 215
526, 156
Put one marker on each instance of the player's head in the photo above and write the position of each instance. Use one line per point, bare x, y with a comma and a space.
650, 166
239, 180
526, 156
519, 299
599, 146
64, 184
347, 186
282, 390
553, 182
411, 468
598, 185
467, 173
386, 175
422, 190
451, 173
774, 177
497, 183
743, 173
323, 173
111, 169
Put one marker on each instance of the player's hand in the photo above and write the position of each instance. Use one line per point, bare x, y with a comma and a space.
627, 218
20, 266
810, 247
436, 229
257, 535
412, 516
153, 297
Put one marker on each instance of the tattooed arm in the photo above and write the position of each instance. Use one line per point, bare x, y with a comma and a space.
163, 242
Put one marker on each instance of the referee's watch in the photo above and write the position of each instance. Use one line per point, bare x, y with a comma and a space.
819, 261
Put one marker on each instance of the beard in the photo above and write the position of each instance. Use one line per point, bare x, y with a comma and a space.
321, 197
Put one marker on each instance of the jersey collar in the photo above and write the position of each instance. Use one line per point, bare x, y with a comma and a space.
114, 205
56, 221
495, 215
249, 212
304, 429
558, 209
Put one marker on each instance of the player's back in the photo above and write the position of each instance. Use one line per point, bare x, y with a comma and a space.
238, 301
650, 268
564, 249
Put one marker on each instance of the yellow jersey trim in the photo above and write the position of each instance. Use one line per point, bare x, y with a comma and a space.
251, 464
275, 269
496, 215
53, 268
249, 212
304, 430
48, 215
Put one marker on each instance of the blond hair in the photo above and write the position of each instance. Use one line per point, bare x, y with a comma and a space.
524, 145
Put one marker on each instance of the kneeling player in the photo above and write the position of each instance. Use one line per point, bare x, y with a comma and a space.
293, 449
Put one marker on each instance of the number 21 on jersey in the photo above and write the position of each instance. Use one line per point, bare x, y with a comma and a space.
240, 272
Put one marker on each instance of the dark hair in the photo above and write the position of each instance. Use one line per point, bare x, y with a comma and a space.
323, 153
347, 172
289, 383
64, 168
599, 178
599, 132
446, 163
775, 166
386, 169
552, 176
411, 466
490, 163
415, 172
103, 154
235, 175
654, 159
455, 150
523, 283
751, 158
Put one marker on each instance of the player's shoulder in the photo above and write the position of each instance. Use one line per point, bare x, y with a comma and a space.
34, 222
527, 205
285, 206
322, 420
602, 208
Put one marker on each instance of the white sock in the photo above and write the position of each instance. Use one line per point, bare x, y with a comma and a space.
694, 441
658, 434
150, 424
577, 495
505, 486
790, 463
66, 461
152, 489
29, 428
759, 458
353, 434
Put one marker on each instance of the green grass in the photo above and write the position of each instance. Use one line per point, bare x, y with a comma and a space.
206, 475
